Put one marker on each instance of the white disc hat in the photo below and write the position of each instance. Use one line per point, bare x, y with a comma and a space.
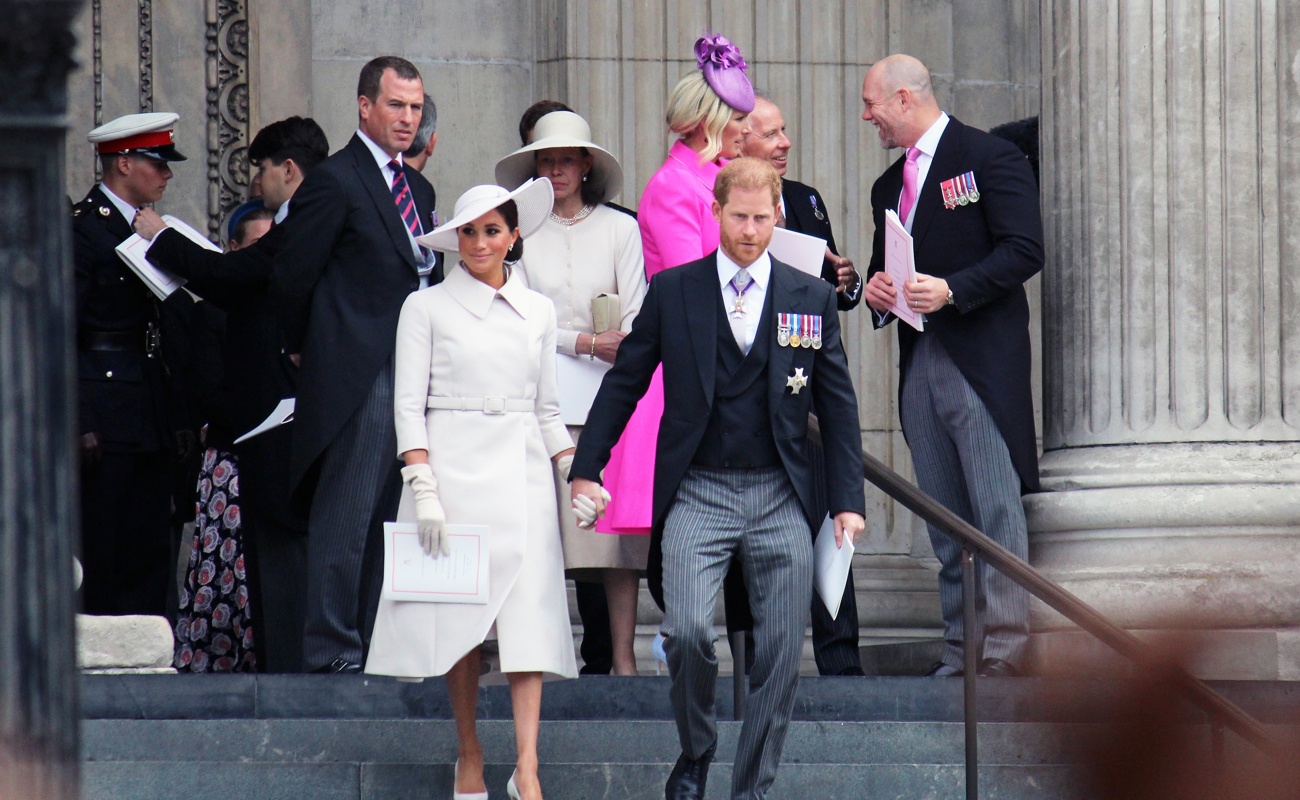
533, 199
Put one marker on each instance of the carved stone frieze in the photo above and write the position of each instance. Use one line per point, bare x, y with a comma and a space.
227, 108
146, 55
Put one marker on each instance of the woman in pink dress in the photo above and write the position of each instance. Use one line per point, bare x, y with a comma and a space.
709, 112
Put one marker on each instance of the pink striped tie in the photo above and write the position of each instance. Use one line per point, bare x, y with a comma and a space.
908, 199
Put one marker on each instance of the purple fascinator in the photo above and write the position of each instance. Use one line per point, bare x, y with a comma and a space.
724, 70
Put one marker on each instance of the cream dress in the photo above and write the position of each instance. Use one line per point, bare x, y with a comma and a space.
571, 265
464, 339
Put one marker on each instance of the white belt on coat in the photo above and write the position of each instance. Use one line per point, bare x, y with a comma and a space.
488, 405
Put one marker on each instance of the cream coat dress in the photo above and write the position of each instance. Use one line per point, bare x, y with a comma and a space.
464, 339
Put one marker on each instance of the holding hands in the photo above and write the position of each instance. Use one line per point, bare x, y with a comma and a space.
589, 501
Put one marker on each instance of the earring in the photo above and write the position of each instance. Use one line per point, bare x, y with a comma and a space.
584, 177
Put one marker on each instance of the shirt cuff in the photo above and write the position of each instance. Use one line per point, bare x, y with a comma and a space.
567, 342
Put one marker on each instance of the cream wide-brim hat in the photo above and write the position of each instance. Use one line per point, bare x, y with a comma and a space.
533, 199
563, 129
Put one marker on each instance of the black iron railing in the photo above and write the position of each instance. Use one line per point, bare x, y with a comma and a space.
1221, 711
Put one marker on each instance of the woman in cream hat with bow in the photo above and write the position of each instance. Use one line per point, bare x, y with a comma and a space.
478, 425
584, 250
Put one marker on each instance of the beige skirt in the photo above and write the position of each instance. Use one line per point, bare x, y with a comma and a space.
589, 549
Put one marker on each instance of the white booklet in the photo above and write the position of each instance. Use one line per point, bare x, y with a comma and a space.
577, 379
831, 566
161, 282
412, 574
282, 414
900, 264
801, 251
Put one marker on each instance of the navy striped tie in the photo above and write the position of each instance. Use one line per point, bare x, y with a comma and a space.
402, 197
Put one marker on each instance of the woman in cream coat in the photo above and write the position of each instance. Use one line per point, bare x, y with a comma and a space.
478, 426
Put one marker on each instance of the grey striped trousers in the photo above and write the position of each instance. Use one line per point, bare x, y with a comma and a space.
359, 488
755, 516
962, 461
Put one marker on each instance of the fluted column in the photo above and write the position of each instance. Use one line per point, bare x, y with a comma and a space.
1171, 350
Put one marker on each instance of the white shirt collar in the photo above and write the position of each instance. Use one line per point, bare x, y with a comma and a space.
929, 141
282, 212
124, 207
760, 270
381, 158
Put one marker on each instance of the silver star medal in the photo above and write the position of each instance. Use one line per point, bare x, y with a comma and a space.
796, 381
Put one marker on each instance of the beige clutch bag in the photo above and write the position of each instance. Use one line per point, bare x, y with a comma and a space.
606, 313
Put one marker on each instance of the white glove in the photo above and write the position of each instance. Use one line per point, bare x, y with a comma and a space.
429, 513
564, 465
584, 508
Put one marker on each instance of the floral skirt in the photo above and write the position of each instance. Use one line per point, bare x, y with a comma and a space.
213, 625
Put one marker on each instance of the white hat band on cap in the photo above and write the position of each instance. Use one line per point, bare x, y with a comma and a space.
533, 200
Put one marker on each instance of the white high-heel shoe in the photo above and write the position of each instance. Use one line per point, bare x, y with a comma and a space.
455, 795
657, 650
511, 789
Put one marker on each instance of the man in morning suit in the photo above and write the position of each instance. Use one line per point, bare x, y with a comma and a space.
732, 477
346, 265
835, 640
257, 375
970, 202
128, 405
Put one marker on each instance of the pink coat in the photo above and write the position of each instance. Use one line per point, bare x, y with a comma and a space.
677, 227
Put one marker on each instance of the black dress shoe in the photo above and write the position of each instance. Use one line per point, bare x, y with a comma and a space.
686, 781
941, 670
339, 666
997, 668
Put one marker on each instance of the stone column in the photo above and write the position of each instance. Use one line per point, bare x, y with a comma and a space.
38, 675
1171, 352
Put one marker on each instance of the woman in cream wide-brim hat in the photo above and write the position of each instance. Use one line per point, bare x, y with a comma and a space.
478, 426
585, 250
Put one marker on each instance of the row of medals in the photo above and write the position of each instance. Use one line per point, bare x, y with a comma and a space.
787, 337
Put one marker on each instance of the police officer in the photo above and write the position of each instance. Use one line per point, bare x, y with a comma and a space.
128, 415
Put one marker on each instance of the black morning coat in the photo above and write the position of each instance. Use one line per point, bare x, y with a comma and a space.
678, 328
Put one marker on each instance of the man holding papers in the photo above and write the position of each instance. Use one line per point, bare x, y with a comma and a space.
732, 476
127, 401
970, 204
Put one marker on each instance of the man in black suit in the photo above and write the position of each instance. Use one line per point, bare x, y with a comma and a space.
971, 204
732, 478
257, 375
347, 263
129, 406
835, 640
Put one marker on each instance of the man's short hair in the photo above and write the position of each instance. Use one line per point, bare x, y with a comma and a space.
535, 112
428, 124
750, 173
299, 138
373, 71
241, 227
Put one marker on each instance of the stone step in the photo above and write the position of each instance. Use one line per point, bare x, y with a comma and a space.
357, 737
397, 759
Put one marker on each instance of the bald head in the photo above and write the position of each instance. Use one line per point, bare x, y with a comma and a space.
898, 99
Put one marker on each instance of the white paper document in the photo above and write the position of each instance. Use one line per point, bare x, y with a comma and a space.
578, 379
282, 414
831, 566
412, 574
900, 264
161, 282
801, 251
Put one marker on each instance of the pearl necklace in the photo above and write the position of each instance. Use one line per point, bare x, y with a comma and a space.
569, 222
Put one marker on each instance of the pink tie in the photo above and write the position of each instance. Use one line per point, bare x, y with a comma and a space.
908, 199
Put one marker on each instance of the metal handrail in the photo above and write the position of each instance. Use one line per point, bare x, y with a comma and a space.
1053, 595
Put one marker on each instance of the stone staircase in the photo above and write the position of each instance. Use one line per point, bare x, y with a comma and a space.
354, 737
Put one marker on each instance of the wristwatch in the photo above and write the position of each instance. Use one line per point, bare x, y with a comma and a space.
951, 302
